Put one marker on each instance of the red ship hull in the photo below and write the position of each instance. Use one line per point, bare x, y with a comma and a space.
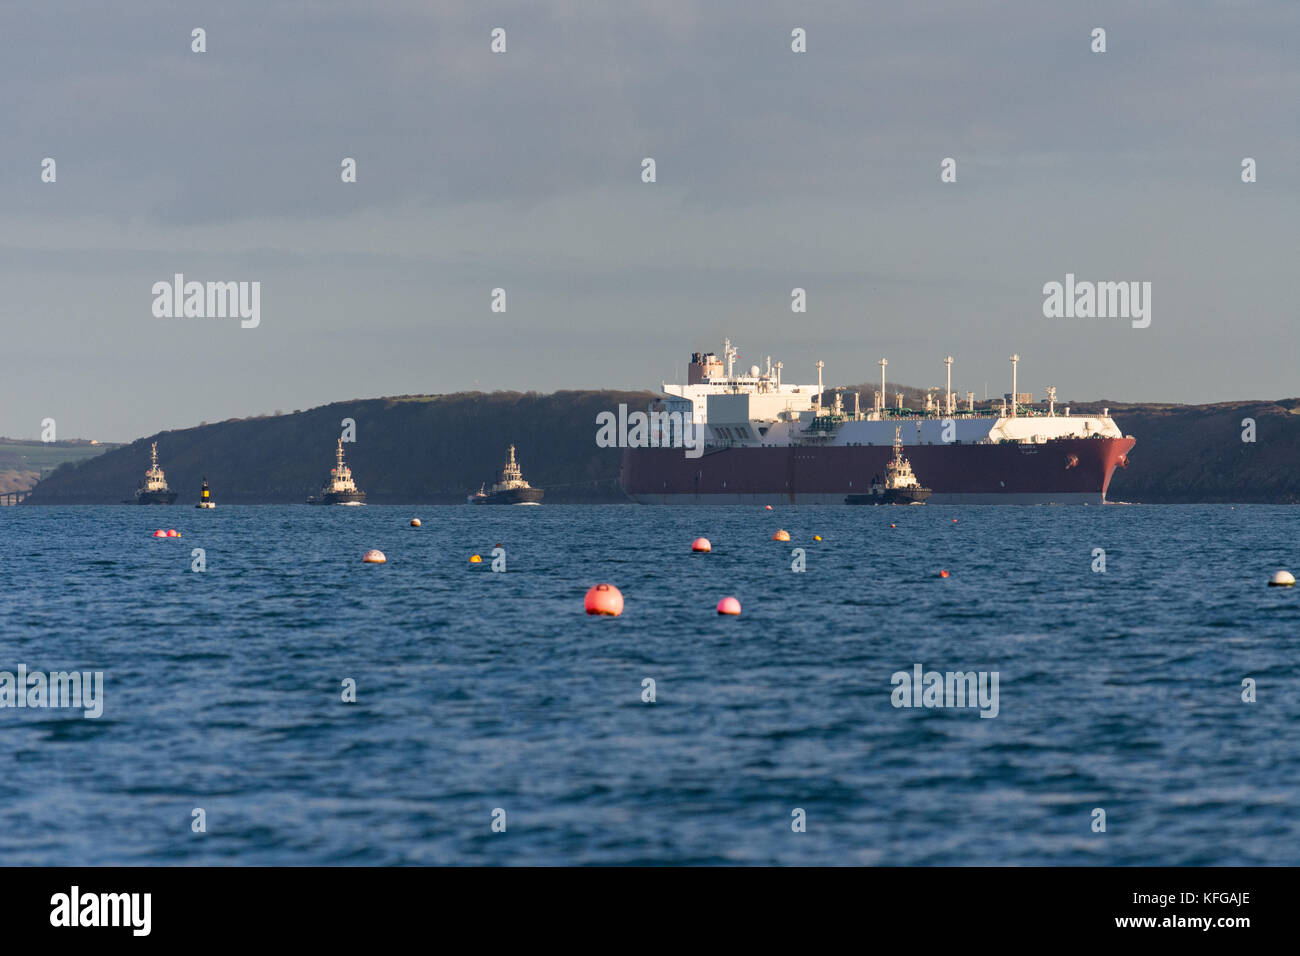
1060, 471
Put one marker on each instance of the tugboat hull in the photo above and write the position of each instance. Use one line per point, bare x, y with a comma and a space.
894, 496
339, 498
155, 497
513, 496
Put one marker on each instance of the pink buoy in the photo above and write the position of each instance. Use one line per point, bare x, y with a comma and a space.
374, 556
729, 605
173, 533
701, 544
160, 533
604, 599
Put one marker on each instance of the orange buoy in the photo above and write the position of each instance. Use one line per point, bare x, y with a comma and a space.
374, 556
173, 533
767, 507
781, 535
415, 522
475, 559
160, 533
729, 605
817, 537
604, 599
893, 526
701, 544
954, 520
943, 573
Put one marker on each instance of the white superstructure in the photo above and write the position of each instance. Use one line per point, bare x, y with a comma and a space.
759, 409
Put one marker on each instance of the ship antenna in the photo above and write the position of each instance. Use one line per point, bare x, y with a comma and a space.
153, 454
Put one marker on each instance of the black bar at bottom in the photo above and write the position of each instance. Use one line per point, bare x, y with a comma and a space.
302, 905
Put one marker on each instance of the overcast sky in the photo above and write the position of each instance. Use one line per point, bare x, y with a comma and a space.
523, 171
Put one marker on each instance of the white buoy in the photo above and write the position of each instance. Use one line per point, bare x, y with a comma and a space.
1282, 579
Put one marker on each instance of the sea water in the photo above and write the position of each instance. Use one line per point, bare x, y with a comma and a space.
494, 722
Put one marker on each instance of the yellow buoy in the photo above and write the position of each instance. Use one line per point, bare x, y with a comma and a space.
415, 522
475, 559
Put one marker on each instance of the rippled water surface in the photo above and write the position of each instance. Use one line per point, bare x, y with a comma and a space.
479, 690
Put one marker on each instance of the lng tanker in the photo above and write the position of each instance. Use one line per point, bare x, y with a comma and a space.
768, 442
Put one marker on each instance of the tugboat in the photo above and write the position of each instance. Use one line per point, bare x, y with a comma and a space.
340, 489
153, 489
900, 486
511, 489
205, 497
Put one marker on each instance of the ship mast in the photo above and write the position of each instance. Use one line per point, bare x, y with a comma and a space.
947, 394
511, 471
1015, 360
153, 456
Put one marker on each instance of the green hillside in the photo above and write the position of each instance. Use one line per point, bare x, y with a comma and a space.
437, 448
409, 449
23, 463
1195, 453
